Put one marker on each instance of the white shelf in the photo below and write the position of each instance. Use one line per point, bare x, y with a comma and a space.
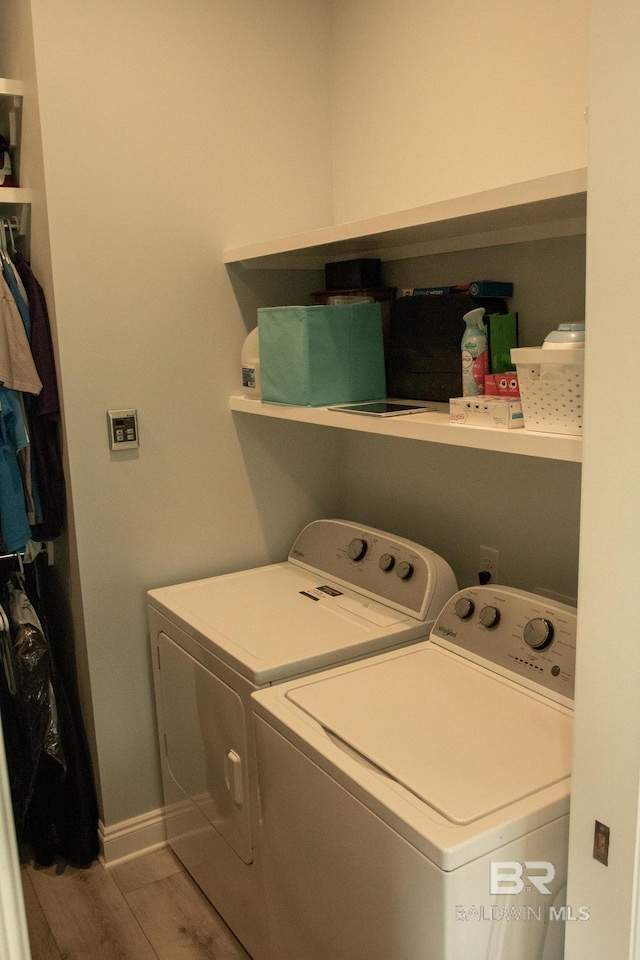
430, 427
15, 195
11, 88
533, 210
11, 97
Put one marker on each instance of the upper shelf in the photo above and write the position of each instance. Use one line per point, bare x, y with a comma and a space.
431, 427
533, 210
11, 97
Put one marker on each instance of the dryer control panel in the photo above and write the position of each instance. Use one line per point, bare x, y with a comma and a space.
389, 569
518, 632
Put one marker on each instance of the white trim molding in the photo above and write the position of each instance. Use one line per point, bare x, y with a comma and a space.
132, 838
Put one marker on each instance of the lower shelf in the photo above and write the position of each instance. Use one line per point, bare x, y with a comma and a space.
432, 427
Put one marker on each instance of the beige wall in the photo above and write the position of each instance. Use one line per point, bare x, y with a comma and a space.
607, 743
434, 100
168, 130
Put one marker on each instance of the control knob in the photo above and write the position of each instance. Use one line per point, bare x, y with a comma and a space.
464, 608
404, 570
386, 562
538, 633
489, 617
357, 548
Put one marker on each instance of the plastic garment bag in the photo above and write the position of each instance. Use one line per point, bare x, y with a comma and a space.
33, 673
54, 801
28, 672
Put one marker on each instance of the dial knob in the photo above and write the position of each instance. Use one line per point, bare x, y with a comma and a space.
404, 570
357, 549
489, 617
464, 608
538, 633
386, 562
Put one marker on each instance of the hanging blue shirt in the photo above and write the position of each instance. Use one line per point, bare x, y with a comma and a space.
14, 524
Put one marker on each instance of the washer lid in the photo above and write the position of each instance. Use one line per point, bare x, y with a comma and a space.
460, 738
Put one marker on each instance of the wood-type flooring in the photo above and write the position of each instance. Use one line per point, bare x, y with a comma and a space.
143, 909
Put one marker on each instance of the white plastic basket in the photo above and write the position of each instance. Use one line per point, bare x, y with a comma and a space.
551, 388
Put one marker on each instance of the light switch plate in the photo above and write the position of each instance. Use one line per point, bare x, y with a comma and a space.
123, 429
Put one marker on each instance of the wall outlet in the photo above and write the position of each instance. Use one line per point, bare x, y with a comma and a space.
489, 562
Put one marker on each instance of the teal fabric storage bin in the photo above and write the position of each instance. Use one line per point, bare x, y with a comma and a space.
315, 356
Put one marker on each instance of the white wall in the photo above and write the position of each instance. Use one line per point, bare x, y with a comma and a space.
607, 739
434, 100
453, 500
548, 279
169, 131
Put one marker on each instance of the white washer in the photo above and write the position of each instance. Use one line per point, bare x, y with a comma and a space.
346, 591
389, 787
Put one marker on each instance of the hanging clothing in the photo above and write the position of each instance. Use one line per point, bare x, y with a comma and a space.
34, 697
43, 412
29, 480
52, 787
19, 294
14, 521
17, 367
57, 806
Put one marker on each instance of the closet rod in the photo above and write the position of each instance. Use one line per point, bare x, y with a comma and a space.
20, 555
10, 223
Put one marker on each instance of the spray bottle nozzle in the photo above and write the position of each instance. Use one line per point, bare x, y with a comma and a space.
474, 318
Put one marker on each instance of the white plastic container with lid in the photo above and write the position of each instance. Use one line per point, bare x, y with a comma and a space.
551, 381
250, 359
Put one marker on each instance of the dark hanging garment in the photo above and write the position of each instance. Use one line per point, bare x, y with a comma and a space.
43, 411
59, 815
62, 819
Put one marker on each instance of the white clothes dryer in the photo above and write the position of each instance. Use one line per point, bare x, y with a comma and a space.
345, 592
415, 805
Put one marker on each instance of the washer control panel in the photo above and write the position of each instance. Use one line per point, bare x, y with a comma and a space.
521, 632
390, 569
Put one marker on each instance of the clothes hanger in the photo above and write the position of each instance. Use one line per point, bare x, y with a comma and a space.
4, 249
11, 237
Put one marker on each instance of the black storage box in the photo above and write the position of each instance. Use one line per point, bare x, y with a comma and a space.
349, 274
424, 360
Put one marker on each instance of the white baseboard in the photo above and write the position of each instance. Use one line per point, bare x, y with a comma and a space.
132, 838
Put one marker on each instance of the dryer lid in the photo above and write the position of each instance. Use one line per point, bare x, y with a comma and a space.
281, 621
462, 739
